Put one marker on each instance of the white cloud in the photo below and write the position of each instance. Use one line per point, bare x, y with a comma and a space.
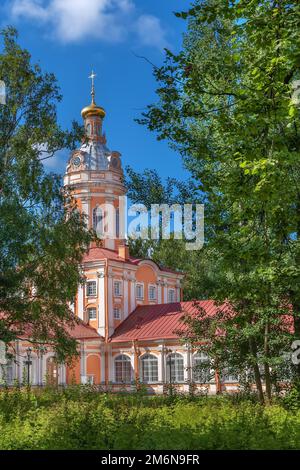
29, 8
150, 31
75, 20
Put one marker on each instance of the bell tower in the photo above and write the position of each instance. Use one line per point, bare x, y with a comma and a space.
94, 174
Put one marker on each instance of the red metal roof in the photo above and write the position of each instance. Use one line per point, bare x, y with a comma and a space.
97, 253
83, 331
163, 321
80, 330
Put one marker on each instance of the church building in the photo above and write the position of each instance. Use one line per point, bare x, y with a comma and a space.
130, 309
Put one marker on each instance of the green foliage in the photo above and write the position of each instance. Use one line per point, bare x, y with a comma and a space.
80, 418
292, 399
225, 103
149, 188
42, 235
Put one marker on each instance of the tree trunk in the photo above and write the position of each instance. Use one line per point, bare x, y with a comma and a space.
266, 364
257, 373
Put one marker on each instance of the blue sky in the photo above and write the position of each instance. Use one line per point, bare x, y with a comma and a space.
70, 37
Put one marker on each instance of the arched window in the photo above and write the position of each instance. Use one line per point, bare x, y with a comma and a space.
149, 369
122, 369
201, 368
117, 223
175, 368
89, 129
98, 221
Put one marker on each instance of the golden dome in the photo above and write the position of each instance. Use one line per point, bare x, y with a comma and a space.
93, 110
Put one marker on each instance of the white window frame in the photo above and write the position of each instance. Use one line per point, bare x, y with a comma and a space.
174, 294
177, 368
88, 313
119, 292
149, 368
94, 282
139, 284
152, 287
119, 313
98, 220
123, 359
200, 357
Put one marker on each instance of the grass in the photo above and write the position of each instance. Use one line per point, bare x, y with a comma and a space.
81, 418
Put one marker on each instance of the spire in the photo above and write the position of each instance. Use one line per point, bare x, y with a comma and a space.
92, 77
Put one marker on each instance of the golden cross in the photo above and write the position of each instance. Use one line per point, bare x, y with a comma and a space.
92, 77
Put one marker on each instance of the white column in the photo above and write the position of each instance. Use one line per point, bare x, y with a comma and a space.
110, 305
82, 360
101, 304
178, 294
186, 364
159, 299
80, 301
125, 294
161, 364
41, 369
38, 369
132, 296
132, 365
165, 295
62, 374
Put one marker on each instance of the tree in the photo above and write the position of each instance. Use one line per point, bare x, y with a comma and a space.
225, 102
42, 235
149, 188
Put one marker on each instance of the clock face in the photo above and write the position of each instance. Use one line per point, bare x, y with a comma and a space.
76, 161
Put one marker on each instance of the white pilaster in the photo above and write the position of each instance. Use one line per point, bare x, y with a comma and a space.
125, 294
132, 366
161, 364
110, 305
186, 364
159, 299
82, 360
101, 303
165, 295
132, 296
62, 374
80, 301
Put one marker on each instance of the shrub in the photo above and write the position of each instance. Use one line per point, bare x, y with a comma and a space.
80, 417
